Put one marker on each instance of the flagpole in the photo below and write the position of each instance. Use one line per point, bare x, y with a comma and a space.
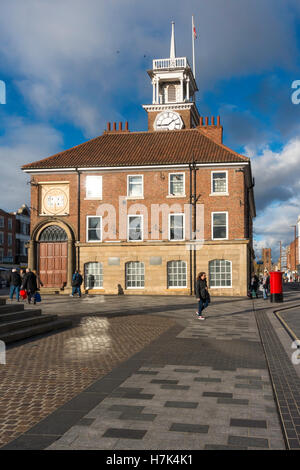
193, 42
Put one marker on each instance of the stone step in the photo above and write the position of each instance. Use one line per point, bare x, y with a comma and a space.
35, 330
6, 317
25, 323
10, 308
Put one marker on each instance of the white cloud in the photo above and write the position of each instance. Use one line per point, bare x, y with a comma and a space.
90, 52
21, 144
277, 194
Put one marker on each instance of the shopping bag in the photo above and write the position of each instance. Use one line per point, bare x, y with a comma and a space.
23, 294
38, 297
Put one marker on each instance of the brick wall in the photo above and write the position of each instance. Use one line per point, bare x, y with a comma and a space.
156, 191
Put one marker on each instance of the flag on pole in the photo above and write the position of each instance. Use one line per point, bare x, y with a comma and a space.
194, 31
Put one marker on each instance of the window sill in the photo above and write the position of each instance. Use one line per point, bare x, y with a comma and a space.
93, 198
220, 287
131, 198
174, 196
219, 194
94, 241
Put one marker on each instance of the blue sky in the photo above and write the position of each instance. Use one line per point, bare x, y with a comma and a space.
72, 65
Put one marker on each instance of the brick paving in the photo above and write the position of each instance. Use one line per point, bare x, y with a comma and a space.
199, 385
43, 374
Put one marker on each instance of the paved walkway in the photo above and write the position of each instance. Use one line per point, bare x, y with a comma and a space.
199, 385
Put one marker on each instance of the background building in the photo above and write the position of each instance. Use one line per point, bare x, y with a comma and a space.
7, 238
22, 235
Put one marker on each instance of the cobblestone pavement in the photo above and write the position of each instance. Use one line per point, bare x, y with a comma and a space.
43, 374
199, 385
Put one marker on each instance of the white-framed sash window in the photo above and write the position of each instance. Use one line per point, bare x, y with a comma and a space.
220, 273
135, 275
135, 186
219, 222
177, 274
219, 182
135, 228
176, 184
93, 228
93, 275
93, 185
176, 227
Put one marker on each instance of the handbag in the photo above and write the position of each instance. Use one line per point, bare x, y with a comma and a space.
38, 297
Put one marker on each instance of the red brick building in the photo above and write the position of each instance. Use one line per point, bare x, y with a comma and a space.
144, 212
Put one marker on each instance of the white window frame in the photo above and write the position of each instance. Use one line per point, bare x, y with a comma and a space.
9, 225
183, 227
169, 185
212, 225
101, 275
9, 253
97, 197
220, 287
9, 240
215, 193
135, 197
177, 287
142, 227
87, 228
126, 275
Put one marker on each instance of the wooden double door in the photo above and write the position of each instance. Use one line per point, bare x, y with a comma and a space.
53, 263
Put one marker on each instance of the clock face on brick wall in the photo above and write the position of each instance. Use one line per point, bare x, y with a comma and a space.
55, 200
168, 120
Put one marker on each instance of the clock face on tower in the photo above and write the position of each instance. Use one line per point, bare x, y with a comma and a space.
168, 120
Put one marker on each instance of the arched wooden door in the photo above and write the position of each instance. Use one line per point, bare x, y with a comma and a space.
53, 257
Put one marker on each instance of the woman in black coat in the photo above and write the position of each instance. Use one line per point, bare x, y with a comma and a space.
30, 285
202, 294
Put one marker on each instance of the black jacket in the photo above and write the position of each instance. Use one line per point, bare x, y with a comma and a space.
77, 280
254, 282
201, 289
15, 279
29, 282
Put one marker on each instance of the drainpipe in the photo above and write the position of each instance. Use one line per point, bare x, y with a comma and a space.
78, 219
191, 256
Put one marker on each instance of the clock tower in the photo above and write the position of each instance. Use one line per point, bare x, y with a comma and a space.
174, 88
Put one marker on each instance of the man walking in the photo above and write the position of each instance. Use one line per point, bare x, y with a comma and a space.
76, 283
30, 285
15, 283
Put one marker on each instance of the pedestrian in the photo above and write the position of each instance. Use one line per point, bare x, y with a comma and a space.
266, 284
202, 294
76, 283
38, 280
15, 284
29, 284
254, 281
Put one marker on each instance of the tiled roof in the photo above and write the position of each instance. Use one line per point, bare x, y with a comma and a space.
141, 148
